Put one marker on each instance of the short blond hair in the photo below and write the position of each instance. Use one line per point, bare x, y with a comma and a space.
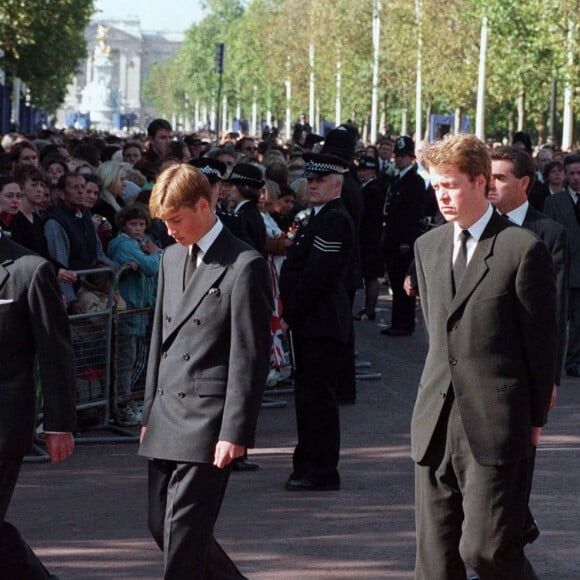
176, 187
466, 153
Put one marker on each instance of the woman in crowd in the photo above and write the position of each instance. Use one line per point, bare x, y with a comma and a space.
54, 166
103, 226
112, 176
132, 152
10, 200
246, 183
554, 176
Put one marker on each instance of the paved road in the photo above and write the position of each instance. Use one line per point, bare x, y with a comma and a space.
86, 518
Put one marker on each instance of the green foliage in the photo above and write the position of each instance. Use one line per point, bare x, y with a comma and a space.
43, 44
268, 41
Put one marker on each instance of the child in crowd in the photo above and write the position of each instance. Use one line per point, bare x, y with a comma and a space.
138, 287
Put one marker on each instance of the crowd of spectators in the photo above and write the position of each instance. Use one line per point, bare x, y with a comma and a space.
74, 197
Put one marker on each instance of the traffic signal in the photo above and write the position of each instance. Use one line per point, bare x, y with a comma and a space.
220, 49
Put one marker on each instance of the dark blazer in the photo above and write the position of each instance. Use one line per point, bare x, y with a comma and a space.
404, 209
372, 259
494, 341
314, 276
537, 195
209, 354
560, 208
32, 321
555, 236
253, 225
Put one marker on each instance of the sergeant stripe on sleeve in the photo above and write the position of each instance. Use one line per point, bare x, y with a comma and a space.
326, 246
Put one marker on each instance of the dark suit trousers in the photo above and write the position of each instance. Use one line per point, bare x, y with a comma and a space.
573, 350
452, 490
17, 560
9, 470
403, 309
184, 503
318, 364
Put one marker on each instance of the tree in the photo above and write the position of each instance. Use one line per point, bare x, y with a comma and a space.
43, 51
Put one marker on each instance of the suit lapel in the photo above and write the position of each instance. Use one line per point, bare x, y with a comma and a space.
568, 211
207, 275
442, 255
478, 265
4, 275
5, 260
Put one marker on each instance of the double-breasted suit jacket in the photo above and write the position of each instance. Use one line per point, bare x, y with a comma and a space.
32, 321
209, 352
494, 342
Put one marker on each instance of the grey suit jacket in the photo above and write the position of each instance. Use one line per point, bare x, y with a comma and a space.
32, 321
209, 354
555, 236
560, 208
494, 342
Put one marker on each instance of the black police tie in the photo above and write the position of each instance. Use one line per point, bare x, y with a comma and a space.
460, 264
190, 265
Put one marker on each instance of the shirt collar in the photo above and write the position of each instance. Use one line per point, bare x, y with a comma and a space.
404, 172
475, 230
317, 208
518, 215
240, 204
206, 242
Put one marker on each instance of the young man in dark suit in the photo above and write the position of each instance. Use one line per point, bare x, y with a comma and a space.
33, 322
207, 371
488, 295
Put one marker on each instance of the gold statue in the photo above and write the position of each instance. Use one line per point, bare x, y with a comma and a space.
102, 49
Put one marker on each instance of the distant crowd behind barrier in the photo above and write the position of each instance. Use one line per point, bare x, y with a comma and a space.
67, 196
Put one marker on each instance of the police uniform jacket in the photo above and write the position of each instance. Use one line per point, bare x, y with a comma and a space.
313, 279
403, 211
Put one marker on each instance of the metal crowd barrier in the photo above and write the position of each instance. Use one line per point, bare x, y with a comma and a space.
93, 347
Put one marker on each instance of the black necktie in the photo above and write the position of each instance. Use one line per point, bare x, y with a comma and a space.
460, 264
190, 265
577, 206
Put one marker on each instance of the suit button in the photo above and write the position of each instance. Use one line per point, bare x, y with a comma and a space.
442, 395
181, 395
186, 357
196, 321
452, 362
168, 318
160, 391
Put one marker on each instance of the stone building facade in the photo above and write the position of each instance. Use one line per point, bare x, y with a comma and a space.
132, 51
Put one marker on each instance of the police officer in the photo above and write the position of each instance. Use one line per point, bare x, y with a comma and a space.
404, 210
316, 309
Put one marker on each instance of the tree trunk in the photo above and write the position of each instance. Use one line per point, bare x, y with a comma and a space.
522, 109
457, 123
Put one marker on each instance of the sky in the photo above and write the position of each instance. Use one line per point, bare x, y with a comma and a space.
161, 15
